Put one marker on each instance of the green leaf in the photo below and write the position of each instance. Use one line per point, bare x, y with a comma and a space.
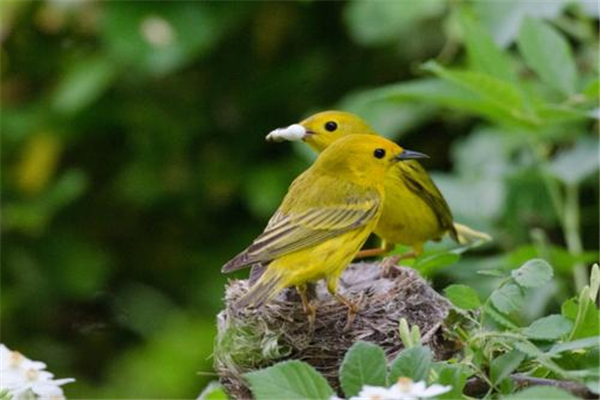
454, 375
501, 99
474, 198
549, 328
574, 165
385, 117
484, 55
503, 18
364, 364
502, 94
289, 380
499, 317
504, 365
555, 113
528, 348
587, 320
428, 264
413, 363
463, 296
547, 52
560, 259
214, 391
483, 154
377, 22
433, 91
541, 392
569, 308
534, 273
507, 298
579, 344
84, 83
492, 272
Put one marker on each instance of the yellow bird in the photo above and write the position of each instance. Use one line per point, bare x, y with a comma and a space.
414, 211
323, 221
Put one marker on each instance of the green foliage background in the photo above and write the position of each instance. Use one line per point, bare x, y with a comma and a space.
134, 162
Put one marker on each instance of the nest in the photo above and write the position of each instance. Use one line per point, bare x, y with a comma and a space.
250, 339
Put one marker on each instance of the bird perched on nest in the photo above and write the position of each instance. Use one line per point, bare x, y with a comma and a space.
328, 213
414, 211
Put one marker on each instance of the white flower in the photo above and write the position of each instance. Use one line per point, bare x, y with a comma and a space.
405, 389
374, 393
42, 384
13, 359
26, 379
4, 353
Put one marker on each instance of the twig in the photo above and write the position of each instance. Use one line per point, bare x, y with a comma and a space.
427, 336
572, 233
476, 386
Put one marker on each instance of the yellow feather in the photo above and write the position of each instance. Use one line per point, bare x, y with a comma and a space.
414, 211
327, 215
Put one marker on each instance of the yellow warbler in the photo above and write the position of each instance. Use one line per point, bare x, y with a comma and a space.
325, 218
414, 210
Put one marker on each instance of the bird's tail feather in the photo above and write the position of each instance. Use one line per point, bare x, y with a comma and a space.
256, 272
263, 290
467, 235
238, 262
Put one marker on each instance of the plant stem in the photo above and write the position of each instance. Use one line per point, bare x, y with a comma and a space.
486, 334
552, 186
489, 299
567, 211
572, 236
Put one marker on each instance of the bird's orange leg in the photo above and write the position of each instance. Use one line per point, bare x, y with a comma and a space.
408, 254
416, 251
384, 249
352, 307
309, 309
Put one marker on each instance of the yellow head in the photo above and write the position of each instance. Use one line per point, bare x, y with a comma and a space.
322, 129
362, 159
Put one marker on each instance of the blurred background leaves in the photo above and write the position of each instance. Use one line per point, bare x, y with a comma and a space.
134, 163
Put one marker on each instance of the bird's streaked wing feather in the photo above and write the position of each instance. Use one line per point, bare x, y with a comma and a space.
291, 231
418, 181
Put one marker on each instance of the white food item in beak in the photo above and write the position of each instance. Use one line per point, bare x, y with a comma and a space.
292, 133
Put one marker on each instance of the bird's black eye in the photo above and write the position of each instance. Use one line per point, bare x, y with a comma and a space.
330, 126
379, 153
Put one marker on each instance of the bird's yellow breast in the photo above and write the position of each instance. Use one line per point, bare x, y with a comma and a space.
406, 218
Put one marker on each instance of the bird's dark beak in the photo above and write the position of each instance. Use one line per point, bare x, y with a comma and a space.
410, 155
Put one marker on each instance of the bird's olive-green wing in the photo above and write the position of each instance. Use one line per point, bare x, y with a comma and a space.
418, 181
294, 227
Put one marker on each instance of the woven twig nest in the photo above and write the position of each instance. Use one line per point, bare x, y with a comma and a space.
250, 339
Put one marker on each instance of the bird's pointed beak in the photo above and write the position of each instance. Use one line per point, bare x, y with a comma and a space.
410, 155
292, 133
